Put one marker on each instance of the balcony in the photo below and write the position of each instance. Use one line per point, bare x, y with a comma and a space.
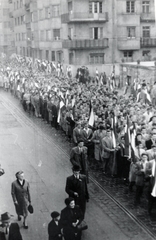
84, 17
148, 42
147, 17
128, 43
85, 44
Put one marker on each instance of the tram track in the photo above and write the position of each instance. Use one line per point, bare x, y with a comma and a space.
25, 121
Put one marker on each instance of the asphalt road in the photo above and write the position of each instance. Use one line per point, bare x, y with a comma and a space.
46, 166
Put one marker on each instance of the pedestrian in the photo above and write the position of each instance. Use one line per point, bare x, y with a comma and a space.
71, 217
76, 187
78, 156
8, 230
54, 227
21, 197
140, 177
107, 153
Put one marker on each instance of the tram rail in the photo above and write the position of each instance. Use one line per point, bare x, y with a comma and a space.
25, 120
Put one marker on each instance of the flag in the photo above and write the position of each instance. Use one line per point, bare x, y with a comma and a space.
61, 105
127, 139
91, 116
97, 75
133, 148
113, 127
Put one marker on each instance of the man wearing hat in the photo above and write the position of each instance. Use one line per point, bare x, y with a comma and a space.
54, 227
78, 156
76, 187
8, 230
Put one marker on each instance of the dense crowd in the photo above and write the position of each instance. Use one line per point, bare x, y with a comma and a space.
114, 130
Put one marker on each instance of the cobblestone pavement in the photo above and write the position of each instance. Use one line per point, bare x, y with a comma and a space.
113, 187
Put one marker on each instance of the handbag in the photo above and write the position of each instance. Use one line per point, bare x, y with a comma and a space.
30, 209
82, 226
1, 171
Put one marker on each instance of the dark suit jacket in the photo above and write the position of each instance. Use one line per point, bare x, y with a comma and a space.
14, 233
77, 185
80, 159
77, 135
54, 230
86, 136
148, 144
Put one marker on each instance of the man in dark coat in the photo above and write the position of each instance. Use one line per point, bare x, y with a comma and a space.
54, 227
76, 187
9, 230
78, 156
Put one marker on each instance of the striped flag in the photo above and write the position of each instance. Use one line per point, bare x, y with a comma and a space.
127, 139
91, 116
113, 127
97, 75
61, 105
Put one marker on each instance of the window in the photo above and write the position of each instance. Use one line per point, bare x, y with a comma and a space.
22, 20
14, 5
130, 6
128, 54
47, 54
23, 36
131, 32
146, 32
21, 3
145, 6
47, 12
5, 11
146, 53
48, 35
70, 7
71, 58
56, 34
5, 38
41, 14
96, 33
17, 4
6, 24
95, 7
96, 58
55, 10
59, 56
15, 22
42, 35
40, 54
52, 55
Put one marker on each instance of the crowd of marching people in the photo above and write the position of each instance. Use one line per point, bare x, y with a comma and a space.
113, 131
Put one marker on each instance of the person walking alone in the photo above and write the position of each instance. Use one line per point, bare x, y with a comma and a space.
21, 197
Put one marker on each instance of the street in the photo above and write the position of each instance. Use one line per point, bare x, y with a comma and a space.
46, 166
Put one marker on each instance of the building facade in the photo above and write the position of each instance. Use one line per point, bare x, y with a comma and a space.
6, 28
84, 32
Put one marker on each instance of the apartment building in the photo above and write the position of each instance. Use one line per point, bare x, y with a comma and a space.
6, 38
85, 32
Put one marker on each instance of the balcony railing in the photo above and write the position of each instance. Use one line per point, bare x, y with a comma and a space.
148, 42
86, 43
84, 17
128, 43
147, 17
